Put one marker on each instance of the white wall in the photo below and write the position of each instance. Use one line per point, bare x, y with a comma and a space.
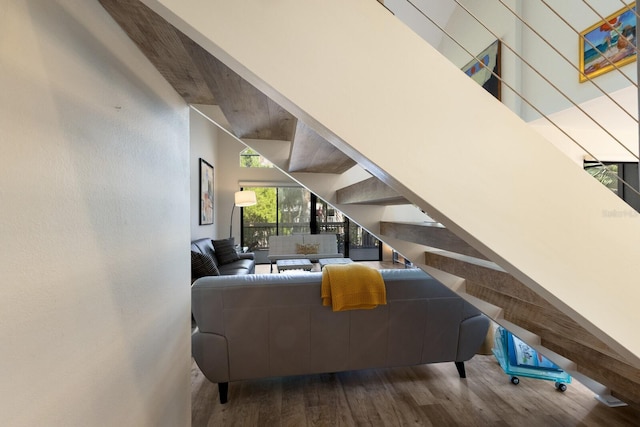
210, 131
621, 136
564, 38
428, 28
203, 136
564, 75
94, 206
502, 22
474, 38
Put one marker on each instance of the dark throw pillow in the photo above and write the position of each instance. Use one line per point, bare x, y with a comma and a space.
225, 251
202, 265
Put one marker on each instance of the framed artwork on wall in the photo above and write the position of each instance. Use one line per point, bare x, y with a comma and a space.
481, 70
608, 44
206, 193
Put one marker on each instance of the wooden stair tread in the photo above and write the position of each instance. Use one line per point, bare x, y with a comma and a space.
431, 234
371, 191
533, 319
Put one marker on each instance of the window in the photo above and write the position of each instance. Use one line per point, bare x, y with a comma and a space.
294, 210
609, 172
279, 211
250, 159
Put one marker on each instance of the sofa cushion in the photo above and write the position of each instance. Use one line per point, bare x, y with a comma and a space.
225, 251
242, 266
285, 247
204, 246
202, 265
308, 248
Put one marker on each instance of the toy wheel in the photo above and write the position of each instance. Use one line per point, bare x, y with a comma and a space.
515, 380
561, 387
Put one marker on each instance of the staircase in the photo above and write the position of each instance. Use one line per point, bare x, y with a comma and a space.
518, 245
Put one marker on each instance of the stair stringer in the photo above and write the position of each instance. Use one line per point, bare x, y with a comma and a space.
364, 81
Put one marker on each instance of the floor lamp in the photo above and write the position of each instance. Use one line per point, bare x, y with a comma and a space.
242, 199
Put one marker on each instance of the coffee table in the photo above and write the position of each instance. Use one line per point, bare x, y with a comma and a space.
294, 264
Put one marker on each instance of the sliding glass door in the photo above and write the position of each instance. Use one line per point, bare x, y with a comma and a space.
363, 246
294, 207
329, 220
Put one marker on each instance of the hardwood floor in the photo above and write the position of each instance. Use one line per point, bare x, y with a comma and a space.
426, 395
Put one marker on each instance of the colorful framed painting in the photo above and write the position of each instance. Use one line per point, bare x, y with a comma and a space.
206, 193
608, 44
486, 69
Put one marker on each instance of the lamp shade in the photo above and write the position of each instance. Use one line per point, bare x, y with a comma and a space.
245, 198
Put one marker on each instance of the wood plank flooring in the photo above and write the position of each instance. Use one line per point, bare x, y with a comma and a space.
426, 395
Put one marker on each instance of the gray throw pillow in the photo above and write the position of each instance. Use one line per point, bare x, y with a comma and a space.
202, 265
225, 251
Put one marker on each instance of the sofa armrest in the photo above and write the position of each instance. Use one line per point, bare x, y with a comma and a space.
246, 255
473, 332
211, 355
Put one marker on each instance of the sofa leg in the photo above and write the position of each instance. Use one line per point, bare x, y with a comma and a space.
223, 391
461, 371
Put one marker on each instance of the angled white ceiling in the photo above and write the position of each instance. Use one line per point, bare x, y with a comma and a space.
602, 145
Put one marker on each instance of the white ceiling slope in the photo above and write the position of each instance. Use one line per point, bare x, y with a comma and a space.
601, 145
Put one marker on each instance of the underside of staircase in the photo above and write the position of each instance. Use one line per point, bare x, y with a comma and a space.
361, 190
516, 307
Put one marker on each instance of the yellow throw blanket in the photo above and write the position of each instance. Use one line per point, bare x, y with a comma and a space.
352, 286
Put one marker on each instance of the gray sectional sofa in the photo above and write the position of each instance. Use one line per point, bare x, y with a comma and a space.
269, 325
